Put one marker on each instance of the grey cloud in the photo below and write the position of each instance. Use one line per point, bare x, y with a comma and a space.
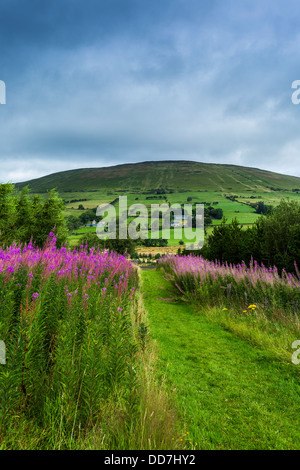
95, 83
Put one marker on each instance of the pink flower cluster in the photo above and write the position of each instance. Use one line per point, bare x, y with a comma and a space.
200, 270
102, 267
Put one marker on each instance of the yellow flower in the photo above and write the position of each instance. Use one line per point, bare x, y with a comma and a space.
224, 309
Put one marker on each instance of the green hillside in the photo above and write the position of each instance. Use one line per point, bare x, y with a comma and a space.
170, 175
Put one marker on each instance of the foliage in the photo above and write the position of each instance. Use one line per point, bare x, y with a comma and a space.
91, 240
273, 240
23, 218
262, 208
213, 283
73, 222
213, 213
281, 235
65, 321
154, 242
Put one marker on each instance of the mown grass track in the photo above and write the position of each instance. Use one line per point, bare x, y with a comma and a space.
229, 393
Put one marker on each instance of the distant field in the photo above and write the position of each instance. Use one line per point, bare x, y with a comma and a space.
231, 209
169, 182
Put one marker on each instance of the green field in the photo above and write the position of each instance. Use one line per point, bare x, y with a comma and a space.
169, 182
171, 175
231, 209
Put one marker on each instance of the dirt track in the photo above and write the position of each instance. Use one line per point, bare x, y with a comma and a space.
157, 249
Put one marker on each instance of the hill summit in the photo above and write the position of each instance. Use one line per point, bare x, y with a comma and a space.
170, 175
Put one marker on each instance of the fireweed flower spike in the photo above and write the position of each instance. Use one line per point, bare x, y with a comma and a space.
41, 286
102, 268
207, 279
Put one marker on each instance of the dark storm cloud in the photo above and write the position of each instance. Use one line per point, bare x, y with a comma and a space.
97, 82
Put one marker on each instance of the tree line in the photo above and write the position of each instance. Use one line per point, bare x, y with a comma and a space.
273, 240
24, 218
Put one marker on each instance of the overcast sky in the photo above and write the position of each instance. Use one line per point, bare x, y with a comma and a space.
100, 82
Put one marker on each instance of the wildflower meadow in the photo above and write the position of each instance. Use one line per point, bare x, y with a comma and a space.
66, 321
100, 356
215, 283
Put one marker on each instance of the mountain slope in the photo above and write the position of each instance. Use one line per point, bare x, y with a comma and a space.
172, 175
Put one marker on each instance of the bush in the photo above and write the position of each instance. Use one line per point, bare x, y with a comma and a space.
273, 240
23, 219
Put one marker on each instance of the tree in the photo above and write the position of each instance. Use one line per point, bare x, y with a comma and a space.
73, 222
281, 230
7, 214
273, 240
153, 242
48, 217
225, 242
262, 208
87, 216
23, 218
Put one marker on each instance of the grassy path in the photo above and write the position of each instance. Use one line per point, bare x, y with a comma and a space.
230, 394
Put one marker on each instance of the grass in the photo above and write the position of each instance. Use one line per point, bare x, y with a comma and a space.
79, 370
230, 394
175, 175
273, 332
88, 368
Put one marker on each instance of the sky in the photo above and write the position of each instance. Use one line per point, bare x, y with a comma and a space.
97, 83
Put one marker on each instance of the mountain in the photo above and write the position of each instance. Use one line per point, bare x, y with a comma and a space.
170, 175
